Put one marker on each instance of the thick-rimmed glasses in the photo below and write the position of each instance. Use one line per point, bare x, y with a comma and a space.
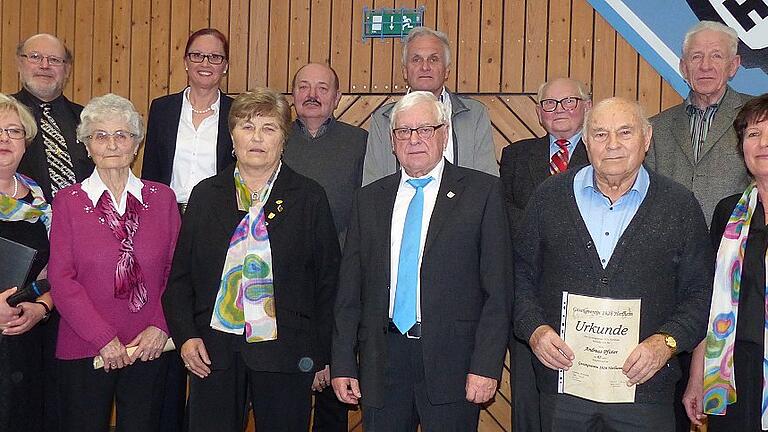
13, 133
102, 137
37, 58
568, 103
214, 59
424, 132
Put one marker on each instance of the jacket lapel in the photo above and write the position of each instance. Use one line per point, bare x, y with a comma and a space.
448, 196
723, 120
223, 139
538, 161
281, 199
226, 199
682, 132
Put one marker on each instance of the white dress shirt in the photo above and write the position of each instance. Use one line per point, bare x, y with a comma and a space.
405, 193
195, 156
94, 187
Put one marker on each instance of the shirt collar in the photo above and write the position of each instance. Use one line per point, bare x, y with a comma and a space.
187, 105
444, 97
572, 140
94, 187
436, 173
641, 184
320, 131
690, 107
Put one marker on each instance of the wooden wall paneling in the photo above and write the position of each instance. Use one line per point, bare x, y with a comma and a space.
320, 31
524, 107
65, 30
582, 26
603, 59
28, 19
360, 112
83, 49
9, 77
299, 39
381, 64
535, 45
487, 423
399, 83
447, 21
258, 44
626, 70
102, 49
47, 15
558, 42
669, 96
341, 41
159, 49
121, 48
220, 17
237, 75
278, 57
360, 60
345, 102
504, 120
513, 46
430, 12
199, 14
490, 46
468, 48
179, 26
648, 88
141, 15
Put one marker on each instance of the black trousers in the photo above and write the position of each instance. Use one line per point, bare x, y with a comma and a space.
331, 415
87, 396
566, 413
744, 415
525, 393
218, 403
175, 395
406, 403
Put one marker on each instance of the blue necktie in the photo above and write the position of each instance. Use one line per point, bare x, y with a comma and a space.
404, 313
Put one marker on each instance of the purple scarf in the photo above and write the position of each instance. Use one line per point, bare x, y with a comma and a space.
129, 279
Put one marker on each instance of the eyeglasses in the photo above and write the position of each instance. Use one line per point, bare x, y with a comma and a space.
37, 58
214, 59
102, 137
569, 103
13, 133
424, 132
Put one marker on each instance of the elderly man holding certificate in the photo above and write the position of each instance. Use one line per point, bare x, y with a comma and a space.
613, 278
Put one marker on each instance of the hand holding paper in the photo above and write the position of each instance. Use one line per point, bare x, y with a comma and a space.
550, 348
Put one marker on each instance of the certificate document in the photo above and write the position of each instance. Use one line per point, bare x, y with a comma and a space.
601, 332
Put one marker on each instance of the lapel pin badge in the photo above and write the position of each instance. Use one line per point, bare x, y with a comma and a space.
450, 194
271, 215
279, 205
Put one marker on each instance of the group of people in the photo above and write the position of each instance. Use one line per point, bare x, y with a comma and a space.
248, 267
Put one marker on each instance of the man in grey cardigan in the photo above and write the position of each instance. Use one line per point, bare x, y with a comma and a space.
694, 142
426, 65
613, 229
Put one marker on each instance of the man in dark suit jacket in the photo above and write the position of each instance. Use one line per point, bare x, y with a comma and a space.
431, 331
44, 65
561, 105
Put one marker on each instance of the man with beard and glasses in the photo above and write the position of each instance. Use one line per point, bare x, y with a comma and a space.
330, 152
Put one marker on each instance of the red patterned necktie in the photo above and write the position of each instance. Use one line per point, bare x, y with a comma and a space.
559, 162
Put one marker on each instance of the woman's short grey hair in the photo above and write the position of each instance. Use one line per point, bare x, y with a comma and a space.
110, 107
730, 34
415, 98
426, 31
10, 104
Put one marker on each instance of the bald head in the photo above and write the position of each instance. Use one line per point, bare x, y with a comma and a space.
44, 63
315, 94
571, 100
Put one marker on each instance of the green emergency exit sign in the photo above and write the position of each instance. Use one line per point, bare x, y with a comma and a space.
391, 23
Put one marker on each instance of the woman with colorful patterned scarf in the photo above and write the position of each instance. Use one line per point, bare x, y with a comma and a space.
25, 218
113, 237
253, 281
729, 369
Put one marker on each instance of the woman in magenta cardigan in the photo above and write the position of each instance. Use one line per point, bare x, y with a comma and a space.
113, 237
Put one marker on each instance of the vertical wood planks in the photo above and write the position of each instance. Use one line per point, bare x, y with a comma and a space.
558, 48
669, 97
468, 50
102, 49
47, 16
360, 62
83, 49
603, 59
320, 27
237, 75
648, 88
140, 55
381, 66
65, 30
28, 19
490, 46
341, 41
179, 34
626, 69
199, 14
398, 80
220, 20
581, 41
299, 40
159, 48
9, 78
447, 21
258, 44
513, 46
279, 25
121, 47
535, 45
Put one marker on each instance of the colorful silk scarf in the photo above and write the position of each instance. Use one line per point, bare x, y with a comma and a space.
129, 279
246, 297
12, 209
719, 377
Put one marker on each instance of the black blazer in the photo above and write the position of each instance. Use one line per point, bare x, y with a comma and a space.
524, 165
305, 258
34, 163
162, 128
466, 283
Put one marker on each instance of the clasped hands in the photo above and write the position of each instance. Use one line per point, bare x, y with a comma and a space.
149, 346
641, 365
479, 389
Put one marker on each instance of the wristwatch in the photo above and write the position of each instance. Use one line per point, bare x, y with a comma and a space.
670, 342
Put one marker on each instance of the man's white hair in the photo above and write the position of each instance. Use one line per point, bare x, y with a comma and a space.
729, 33
426, 31
417, 97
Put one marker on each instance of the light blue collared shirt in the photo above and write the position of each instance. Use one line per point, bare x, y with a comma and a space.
572, 141
607, 221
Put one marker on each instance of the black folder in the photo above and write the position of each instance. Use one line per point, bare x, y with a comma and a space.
15, 262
